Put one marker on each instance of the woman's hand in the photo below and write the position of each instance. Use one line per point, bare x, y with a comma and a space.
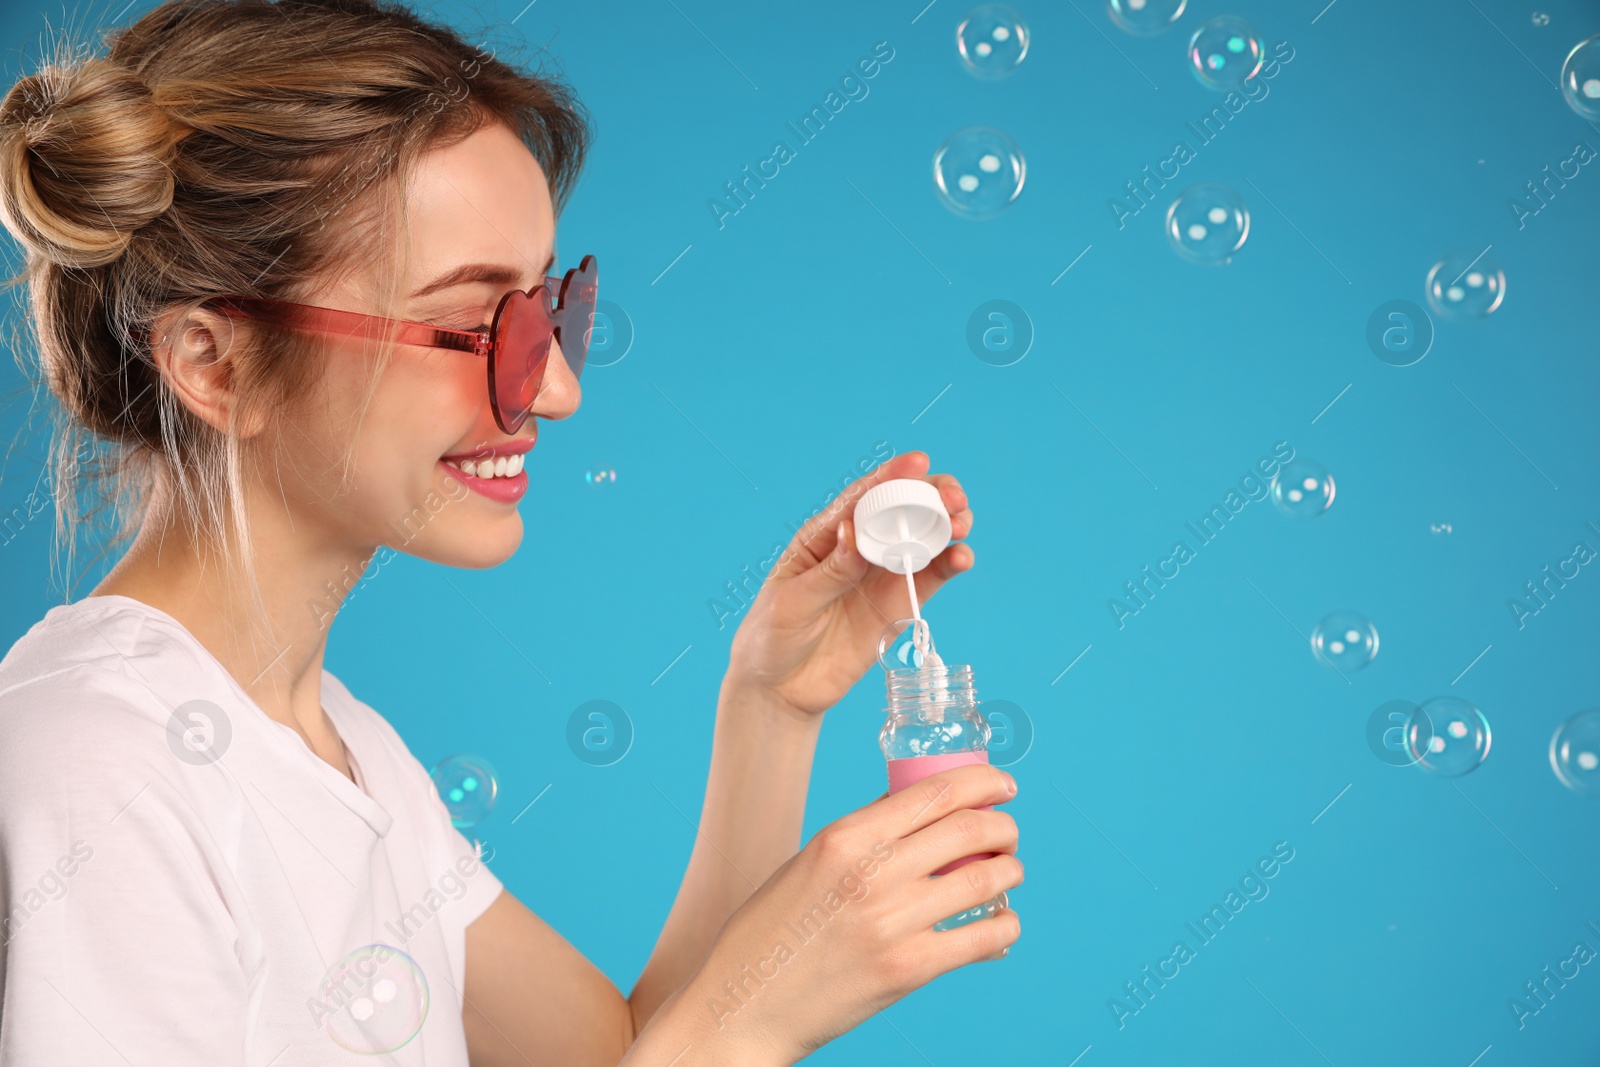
845, 927
812, 631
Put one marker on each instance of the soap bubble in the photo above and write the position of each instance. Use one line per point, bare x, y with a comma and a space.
978, 172
1541, 19
1448, 736
907, 644
1224, 52
1575, 753
1208, 223
992, 41
1345, 641
1303, 488
1580, 78
1466, 287
601, 476
1145, 17
374, 1000
467, 786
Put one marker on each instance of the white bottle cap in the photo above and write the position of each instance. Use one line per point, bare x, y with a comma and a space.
901, 524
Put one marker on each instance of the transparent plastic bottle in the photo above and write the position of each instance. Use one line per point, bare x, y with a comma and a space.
933, 723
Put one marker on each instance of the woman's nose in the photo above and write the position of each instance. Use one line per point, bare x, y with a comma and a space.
559, 393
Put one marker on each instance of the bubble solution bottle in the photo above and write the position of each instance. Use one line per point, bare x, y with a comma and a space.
933, 721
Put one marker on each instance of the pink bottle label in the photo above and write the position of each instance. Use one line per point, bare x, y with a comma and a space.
913, 769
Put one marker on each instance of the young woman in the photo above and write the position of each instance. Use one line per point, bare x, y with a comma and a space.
289, 276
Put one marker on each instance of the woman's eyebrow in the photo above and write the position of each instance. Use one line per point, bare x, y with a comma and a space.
493, 273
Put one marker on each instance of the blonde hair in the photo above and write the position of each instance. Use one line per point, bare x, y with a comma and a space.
223, 147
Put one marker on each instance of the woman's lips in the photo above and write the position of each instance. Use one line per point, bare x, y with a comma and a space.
505, 489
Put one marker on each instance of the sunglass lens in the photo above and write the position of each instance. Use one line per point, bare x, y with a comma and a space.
578, 295
522, 341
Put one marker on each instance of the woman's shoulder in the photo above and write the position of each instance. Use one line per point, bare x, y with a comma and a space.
86, 684
116, 633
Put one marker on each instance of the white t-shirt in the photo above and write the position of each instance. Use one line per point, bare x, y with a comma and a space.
188, 883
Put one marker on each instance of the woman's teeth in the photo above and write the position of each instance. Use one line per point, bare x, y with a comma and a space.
498, 467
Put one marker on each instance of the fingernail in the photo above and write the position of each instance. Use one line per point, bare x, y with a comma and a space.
1011, 785
843, 546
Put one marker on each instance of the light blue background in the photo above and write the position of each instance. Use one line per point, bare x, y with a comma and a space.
822, 319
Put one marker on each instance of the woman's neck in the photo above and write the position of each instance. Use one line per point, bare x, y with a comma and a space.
274, 652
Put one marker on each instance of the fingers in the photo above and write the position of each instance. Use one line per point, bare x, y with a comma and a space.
826, 564
841, 569
1005, 949
945, 950
816, 539
962, 833
969, 886
956, 557
886, 591
924, 803
954, 498
943, 567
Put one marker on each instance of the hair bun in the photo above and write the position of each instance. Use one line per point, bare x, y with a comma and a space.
86, 158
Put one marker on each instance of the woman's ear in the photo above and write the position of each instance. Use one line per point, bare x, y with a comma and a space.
197, 351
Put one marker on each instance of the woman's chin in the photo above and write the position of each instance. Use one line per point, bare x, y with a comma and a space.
472, 546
